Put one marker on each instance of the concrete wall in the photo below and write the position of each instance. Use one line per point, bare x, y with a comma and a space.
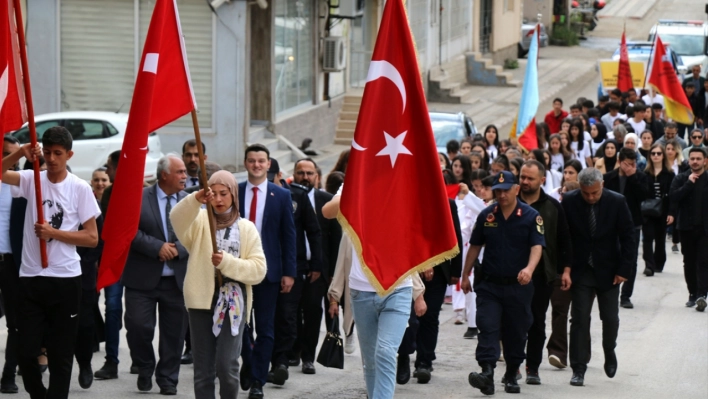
318, 122
506, 29
43, 54
531, 9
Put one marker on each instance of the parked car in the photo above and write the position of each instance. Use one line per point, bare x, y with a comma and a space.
96, 135
526, 35
689, 39
450, 126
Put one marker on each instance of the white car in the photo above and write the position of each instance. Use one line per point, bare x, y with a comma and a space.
96, 135
688, 39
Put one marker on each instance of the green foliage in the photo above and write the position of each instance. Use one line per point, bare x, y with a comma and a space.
563, 36
511, 63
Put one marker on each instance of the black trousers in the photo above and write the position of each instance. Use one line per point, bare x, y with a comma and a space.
9, 285
48, 304
309, 320
628, 286
509, 305
140, 320
86, 337
409, 342
285, 332
429, 323
584, 292
542, 291
694, 247
654, 244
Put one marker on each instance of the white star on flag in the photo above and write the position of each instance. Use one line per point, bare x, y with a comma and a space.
394, 146
150, 64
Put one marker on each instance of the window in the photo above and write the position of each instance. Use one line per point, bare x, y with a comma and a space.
293, 32
101, 45
41, 127
84, 130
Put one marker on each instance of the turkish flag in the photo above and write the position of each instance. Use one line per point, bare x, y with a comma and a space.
13, 111
664, 80
163, 93
624, 73
394, 204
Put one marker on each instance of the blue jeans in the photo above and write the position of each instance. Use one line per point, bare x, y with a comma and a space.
382, 321
114, 319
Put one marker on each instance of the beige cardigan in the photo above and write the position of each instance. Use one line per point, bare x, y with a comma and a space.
191, 225
340, 283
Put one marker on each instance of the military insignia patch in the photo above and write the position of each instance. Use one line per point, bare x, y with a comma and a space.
539, 220
501, 177
518, 212
540, 229
490, 217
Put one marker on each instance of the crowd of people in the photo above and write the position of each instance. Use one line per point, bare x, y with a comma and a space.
555, 226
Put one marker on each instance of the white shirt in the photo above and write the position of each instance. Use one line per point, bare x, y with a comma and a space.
638, 127
609, 120
191, 181
162, 204
260, 204
493, 152
357, 278
657, 99
557, 161
582, 154
66, 204
5, 204
311, 196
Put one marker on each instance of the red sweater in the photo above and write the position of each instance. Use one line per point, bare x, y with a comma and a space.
554, 122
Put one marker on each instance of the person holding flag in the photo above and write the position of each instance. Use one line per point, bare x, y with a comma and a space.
664, 81
393, 140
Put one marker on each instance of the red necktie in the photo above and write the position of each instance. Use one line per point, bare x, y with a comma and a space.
254, 201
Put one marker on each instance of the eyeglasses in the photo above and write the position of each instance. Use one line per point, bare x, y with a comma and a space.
696, 137
656, 153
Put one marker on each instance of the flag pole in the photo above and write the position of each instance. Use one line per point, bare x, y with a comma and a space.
204, 185
30, 119
650, 61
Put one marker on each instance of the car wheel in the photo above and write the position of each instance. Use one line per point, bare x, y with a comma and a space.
521, 52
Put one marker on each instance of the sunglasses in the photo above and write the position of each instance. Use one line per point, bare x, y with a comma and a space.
696, 137
656, 153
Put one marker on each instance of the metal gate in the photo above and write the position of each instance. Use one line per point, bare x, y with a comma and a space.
485, 25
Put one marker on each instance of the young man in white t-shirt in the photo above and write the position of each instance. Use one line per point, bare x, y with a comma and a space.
49, 298
637, 121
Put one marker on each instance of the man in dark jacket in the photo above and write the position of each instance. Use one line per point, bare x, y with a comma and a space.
555, 261
633, 184
603, 253
689, 205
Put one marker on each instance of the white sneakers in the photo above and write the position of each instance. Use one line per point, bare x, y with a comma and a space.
459, 318
556, 362
349, 346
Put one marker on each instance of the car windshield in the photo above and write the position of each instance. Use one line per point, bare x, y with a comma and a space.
685, 44
446, 130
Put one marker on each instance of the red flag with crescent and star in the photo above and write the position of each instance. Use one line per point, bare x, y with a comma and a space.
13, 111
394, 205
163, 93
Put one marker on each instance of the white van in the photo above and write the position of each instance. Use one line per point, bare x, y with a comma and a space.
688, 39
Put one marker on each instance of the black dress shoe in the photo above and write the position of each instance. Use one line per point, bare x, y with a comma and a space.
578, 379
135, 370
532, 377
85, 376
245, 378
511, 386
168, 391
293, 362
483, 381
9, 387
648, 272
471, 333
109, 371
518, 377
256, 391
187, 358
403, 369
308, 368
144, 384
626, 303
691, 303
610, 363
280, 374
423, 375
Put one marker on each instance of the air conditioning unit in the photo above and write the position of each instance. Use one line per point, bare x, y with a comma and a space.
351, 8
334, 58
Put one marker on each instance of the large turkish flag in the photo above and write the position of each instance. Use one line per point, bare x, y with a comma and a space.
163, 93
13, 112
394, 205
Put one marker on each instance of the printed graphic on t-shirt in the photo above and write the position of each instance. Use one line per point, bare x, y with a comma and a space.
56, 219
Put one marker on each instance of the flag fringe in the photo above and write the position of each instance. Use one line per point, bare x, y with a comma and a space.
427, 264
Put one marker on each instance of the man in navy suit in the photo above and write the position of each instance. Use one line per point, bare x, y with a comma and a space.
154, 276
602, 234
270, 208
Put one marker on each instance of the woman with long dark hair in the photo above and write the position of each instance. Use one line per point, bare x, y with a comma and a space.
654, 228
462, 169
577, 145
608, 161
491, 140
571, 170
481, 149
559, 154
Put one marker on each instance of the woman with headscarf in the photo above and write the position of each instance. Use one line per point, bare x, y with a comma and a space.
217, 288
608, 161
631, 141
598, 132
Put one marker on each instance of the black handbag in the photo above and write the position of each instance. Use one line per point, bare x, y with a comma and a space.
332, 351
652, 208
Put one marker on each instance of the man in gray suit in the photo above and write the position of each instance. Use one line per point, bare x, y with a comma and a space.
153, 276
